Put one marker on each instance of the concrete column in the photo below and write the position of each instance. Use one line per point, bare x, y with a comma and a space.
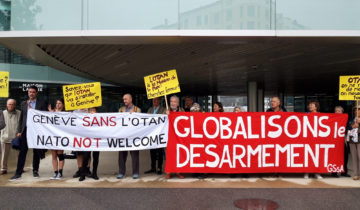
252, 97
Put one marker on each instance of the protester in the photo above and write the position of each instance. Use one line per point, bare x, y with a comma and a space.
11, 120
156, 154
340, 110
218, 107
237, 109
188, 103
32, 103
314, 107
174, 107
58, 166
80, 154
196, 108
84, 170
354, 140
276, 105
129, 107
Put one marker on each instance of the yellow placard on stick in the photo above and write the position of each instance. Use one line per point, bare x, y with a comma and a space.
82, 96
349, 88
161, 84
4, 84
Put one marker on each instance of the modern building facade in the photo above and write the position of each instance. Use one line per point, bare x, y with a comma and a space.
295, 49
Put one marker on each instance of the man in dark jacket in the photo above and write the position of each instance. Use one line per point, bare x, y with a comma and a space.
32, 103
276, 105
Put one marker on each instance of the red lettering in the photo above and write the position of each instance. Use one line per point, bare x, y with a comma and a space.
97, 142
77, 141
87, 122
112, 121
88, 144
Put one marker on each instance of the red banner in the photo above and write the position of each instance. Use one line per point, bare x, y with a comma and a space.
255, 142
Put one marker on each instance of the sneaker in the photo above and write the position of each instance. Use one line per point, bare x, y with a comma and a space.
59, 176
135, 176
36, 175
54, 176
15, 177
306, 176
82, 178
318, 176
120, 176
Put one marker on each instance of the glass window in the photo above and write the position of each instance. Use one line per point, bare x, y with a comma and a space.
251, 11
250, 25
217, 18
229, 15
198, 21
206, 19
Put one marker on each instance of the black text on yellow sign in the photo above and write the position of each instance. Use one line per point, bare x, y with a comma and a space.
82, 96
162, 84
349, 88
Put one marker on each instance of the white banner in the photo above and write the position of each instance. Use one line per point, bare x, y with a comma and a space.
96, 132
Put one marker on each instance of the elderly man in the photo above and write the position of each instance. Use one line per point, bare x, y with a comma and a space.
32, 103
156, 154
11, 118
174, 107
276, 105
129, 107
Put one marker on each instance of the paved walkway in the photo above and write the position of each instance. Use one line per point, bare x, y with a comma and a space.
108, 169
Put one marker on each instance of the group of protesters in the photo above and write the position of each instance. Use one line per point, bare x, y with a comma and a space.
13, 128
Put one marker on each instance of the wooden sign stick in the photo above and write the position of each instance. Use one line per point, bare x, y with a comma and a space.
357, 109
167, 106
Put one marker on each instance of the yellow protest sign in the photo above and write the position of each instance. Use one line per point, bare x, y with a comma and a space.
82, 96
161, 84
349, 88
4, 84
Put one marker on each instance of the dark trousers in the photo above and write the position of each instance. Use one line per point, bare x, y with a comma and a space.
156, 154
86, 157
346, 157
22, 156
122, 161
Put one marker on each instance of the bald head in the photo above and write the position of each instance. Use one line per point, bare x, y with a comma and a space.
127, 99
275, 103
11, 104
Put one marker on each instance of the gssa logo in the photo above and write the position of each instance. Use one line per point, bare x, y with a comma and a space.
333, 168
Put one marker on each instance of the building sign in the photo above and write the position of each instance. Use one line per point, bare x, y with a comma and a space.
4, 84
162, 84
25, 86
349, 88
82, 96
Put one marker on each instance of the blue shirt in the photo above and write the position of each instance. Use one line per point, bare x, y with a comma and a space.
32, 104
156, 110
